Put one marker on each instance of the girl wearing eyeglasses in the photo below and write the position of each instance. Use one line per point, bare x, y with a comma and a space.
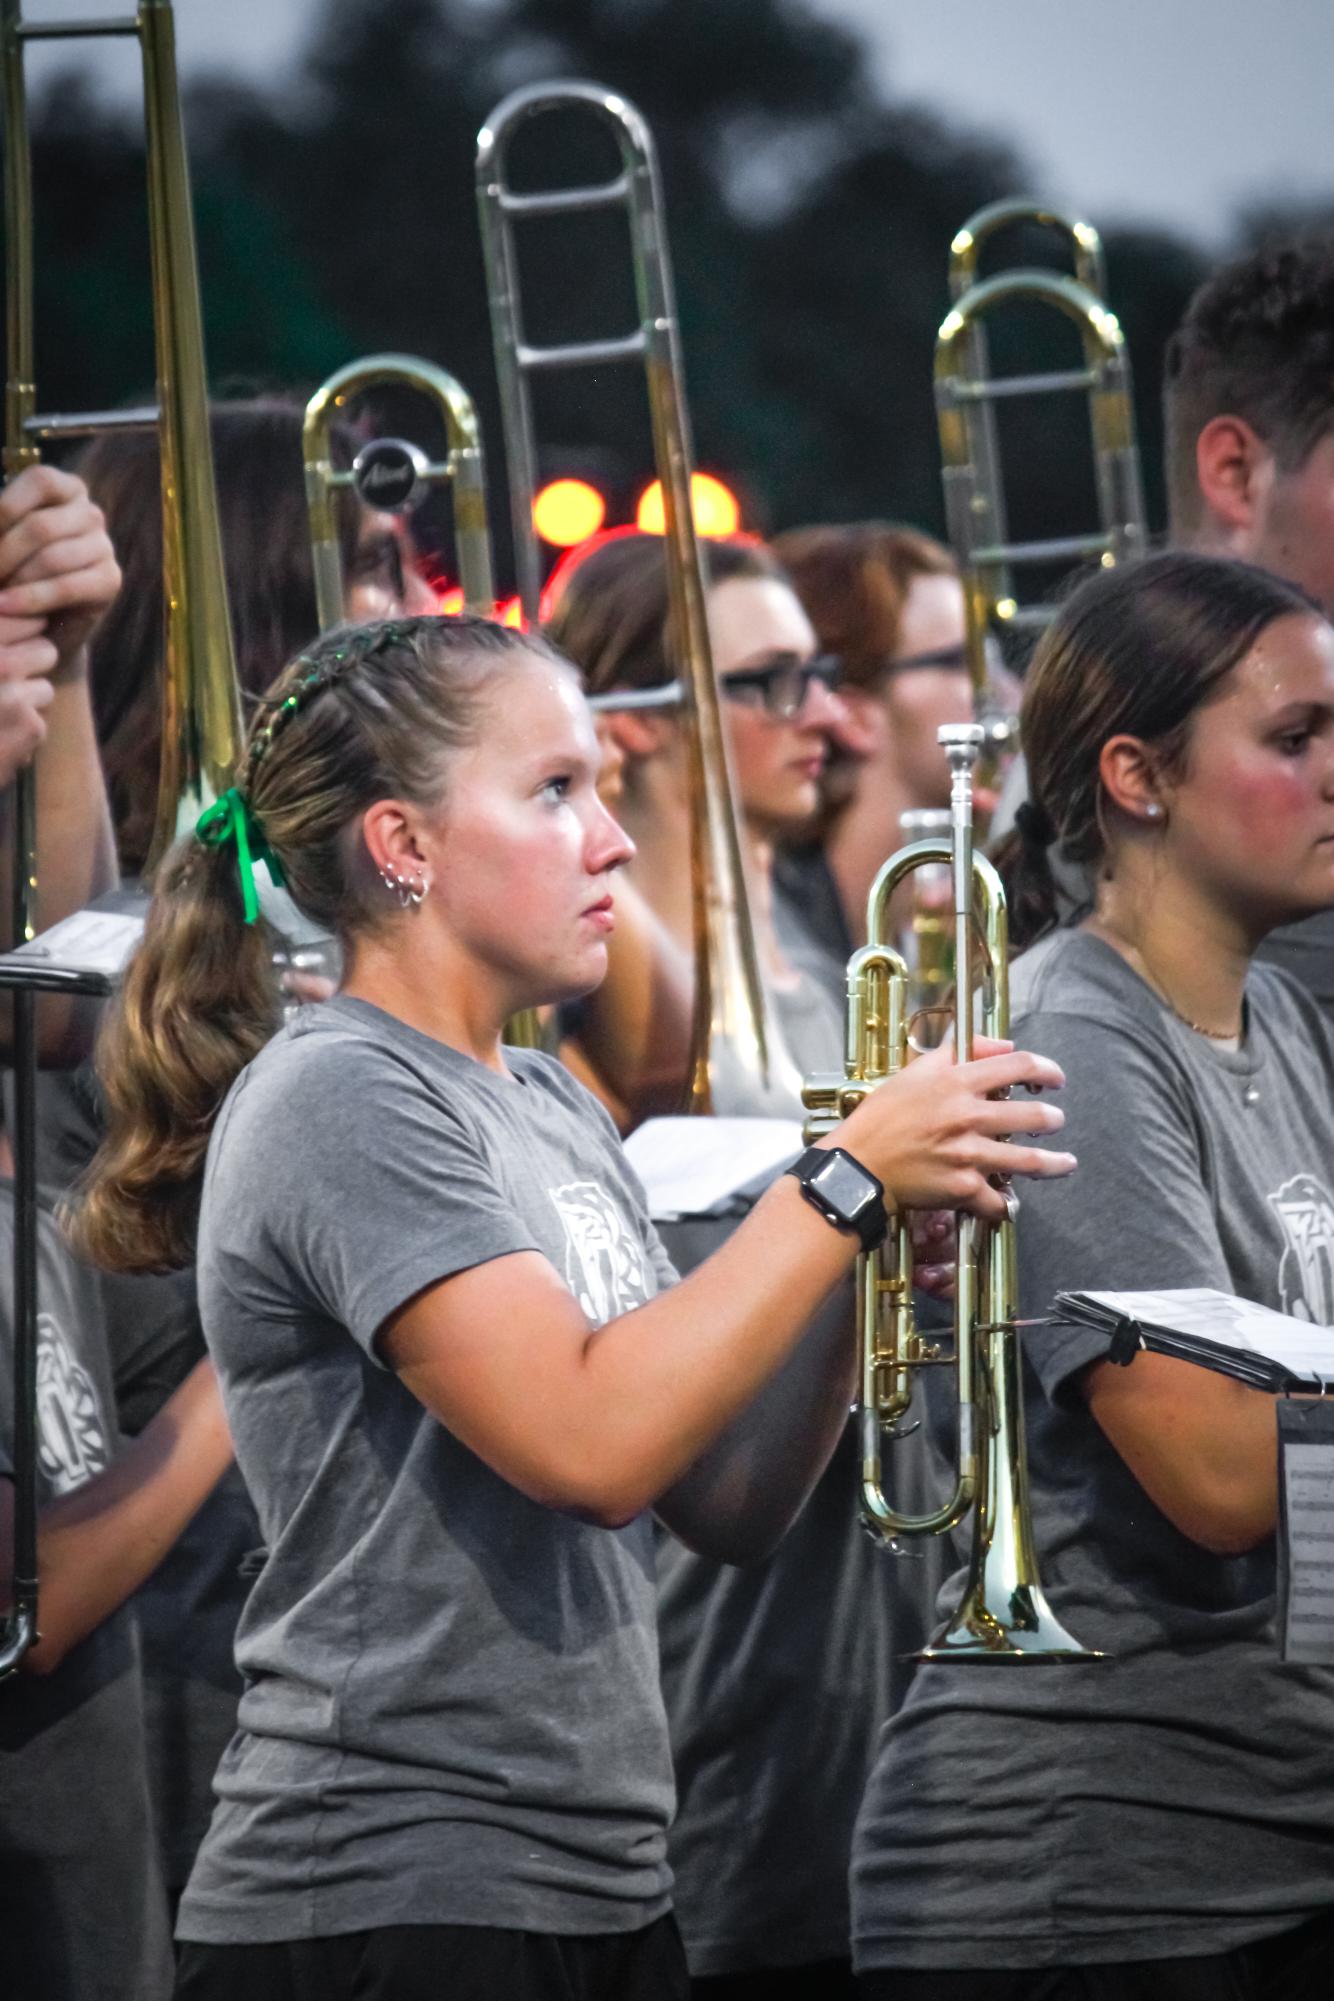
779, 711
887, 600
777, 1677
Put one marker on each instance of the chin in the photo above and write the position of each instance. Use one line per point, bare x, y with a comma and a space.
572, 981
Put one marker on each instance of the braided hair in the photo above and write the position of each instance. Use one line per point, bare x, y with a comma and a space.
366, 713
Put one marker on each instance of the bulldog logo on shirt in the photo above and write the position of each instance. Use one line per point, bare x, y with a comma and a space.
71, 1434
1306, 1271
604, 1264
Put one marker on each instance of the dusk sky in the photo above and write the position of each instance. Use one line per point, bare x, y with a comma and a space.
1168, 111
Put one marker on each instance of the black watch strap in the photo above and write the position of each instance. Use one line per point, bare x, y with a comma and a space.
846, 1194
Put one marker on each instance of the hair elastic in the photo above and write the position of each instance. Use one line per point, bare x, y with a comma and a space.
232, 818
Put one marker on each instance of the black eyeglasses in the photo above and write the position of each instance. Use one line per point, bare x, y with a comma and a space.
955, 657
781, 686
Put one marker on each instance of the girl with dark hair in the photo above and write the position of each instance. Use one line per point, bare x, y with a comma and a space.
428, 1284
1159, 1824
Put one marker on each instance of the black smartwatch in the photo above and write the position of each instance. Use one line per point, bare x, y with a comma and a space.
846, 1194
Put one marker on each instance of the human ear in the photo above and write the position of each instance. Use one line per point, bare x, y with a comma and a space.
1234, 470
638, 733
1129, 776
388, 829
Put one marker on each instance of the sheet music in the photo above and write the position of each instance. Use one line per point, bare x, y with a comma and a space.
91, 941
696, 1167
1306, 1593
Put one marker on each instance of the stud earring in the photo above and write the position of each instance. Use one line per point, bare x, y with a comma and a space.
1153, 811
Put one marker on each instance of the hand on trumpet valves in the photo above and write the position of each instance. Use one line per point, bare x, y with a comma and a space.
939, 1137
58, 571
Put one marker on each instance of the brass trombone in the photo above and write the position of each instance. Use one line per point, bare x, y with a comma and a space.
736, 1053
966, 395
392, 474
201, 736
1003, 1615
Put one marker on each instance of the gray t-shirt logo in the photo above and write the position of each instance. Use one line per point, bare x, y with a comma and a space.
604, 1262
72, 1438
1306, 1271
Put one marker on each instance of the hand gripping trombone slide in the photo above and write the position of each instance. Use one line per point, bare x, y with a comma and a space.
1003, 1615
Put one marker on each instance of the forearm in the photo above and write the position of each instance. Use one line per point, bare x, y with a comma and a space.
636, 1026
96, 1546
1204, 1448
605, 1420
681, 1371
76, 852
743, 1494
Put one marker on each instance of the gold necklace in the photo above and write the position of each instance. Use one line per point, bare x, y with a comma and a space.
1152, 980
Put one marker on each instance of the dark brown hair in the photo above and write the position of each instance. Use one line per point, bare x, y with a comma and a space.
1257, 342
1134, 651
270, 585
612, 611
364, 714
854, 580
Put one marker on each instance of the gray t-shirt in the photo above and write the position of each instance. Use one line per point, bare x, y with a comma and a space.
451, 1711
83, 1915
187, 1610
1178, 1798
778, 1676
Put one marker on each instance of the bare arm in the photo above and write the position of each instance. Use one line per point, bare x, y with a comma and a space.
602, 1422
635, 1032
95, 1547
1204, 1448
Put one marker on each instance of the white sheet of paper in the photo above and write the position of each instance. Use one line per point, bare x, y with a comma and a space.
1302, 1346
693, 1167
92, 941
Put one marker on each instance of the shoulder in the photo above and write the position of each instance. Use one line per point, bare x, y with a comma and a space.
556, 1085
1075, 979
1287, 1008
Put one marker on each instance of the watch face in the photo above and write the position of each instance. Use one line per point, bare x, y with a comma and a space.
845, 1186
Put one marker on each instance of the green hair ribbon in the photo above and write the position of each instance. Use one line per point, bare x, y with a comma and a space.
232, 818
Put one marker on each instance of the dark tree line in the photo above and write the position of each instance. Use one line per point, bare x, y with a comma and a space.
809, 219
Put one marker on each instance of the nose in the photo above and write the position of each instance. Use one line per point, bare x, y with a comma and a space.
822, 709
607, 846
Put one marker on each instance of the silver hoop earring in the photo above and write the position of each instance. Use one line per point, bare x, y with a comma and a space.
409, 889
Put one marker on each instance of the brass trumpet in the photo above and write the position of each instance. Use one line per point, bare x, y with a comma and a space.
1003, 1614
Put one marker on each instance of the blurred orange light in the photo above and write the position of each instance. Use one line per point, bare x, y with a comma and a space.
567, 511
716, 509
449, 604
